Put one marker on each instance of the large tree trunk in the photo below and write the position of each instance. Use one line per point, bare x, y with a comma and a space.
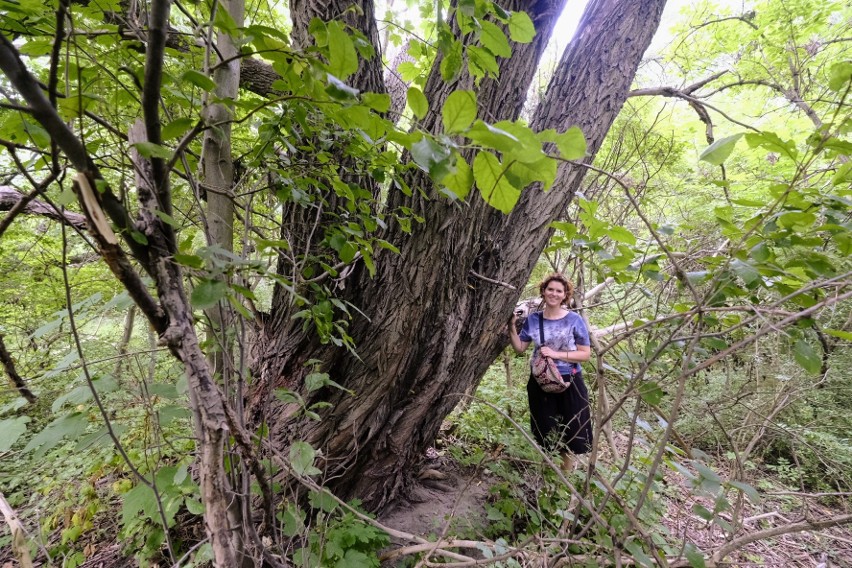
433, 327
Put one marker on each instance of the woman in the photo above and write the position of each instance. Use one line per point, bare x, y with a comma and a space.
563, 418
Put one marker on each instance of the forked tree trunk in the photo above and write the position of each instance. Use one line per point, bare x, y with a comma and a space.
433, 326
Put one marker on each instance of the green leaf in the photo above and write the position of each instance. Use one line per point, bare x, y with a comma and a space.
339, 90
302, 458
140, 498
717, 152
840, 334
571, 144
207, 293
451, 62
694, 556
10, 430
521, 27
198, 79
772, 142
746, 271
492, 137
481, 62
432, 158
322, 500
493, 185
807, 356
190, 260
71, 425
176, 128
379, 102
750, 491
151, 150
460, 181
493, 38
522, 174
635, 549
651, 392
225, 22
293, 519
459, 111
621, 235
417, 102
839, 75
342, 57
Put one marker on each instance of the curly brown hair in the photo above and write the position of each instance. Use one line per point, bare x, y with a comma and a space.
558, 277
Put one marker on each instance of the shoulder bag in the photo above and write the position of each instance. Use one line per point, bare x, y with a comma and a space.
544, 369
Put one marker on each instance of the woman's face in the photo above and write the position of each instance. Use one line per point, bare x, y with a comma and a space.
554, 293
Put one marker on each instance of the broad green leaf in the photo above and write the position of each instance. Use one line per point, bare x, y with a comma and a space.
322, 500
622, 235
492, 137
719, 151
459, 111
772, 142
417, 102
746, 271
527, 149
706, 472
481, 62
493, 185
493, 38
198, 79
176, 128
839, 75
694, 556
70, 425
451, 62
460, 181
339, 90
225, 22
571, 144
408, 71
293, 519
302, 458
151, 150
207, 293
521, 28
318, 29
10, 430
342, 57
140, 498
807, 356
639, 555
544, 171
379, 102
750, 491
651, 392
432, 158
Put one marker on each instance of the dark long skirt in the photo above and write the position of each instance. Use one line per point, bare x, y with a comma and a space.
561, 420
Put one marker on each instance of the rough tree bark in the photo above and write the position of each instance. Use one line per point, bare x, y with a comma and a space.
432, 328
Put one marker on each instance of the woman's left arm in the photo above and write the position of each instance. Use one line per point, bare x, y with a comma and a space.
581, 355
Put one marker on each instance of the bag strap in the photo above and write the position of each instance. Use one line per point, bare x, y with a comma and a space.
541, 329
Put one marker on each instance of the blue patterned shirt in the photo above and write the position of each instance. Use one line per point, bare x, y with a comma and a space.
563, 334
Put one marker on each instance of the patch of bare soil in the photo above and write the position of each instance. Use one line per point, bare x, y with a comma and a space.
446, 501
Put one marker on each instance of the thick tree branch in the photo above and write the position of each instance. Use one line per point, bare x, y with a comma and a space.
15, 202
9, 365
